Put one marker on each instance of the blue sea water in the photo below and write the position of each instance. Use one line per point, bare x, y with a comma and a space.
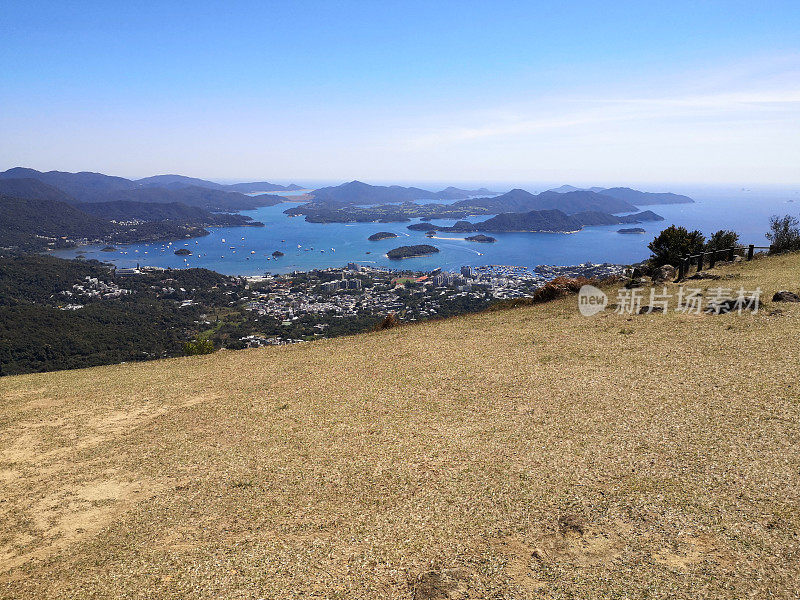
311, 245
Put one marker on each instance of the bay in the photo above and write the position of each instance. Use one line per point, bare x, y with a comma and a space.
306, 246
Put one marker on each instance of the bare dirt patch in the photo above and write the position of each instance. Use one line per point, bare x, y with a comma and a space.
689, 550
71, 515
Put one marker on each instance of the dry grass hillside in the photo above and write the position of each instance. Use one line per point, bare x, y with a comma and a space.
527, 453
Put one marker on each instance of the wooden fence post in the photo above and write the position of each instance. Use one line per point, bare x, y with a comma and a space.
713, 260
731, 250
681, 269
750, 250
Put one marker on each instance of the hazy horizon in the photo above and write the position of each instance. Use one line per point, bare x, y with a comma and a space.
493, 185
621, 93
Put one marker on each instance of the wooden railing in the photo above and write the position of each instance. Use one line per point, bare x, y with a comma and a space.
712, 256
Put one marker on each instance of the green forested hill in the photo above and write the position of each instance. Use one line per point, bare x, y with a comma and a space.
124, 210
23, 222
33, 188
37, 334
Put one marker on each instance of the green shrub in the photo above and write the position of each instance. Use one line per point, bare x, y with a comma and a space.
722, 240
784, 235
673, 244
195, 347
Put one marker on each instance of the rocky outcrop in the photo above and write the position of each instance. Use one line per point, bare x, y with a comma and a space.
664, 273
785, 296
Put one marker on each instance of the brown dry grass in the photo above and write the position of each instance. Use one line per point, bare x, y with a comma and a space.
527, 453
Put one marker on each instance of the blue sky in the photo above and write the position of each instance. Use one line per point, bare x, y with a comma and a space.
580, 92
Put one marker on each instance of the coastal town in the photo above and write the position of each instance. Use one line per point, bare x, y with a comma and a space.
325, 298
177, 311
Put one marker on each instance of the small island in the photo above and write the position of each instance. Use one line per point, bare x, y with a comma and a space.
483, 239
631, 230
277, 254
183, 252
381, 235
108, 249
411, 251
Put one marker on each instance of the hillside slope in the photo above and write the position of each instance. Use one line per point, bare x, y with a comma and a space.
33, 188
29, 224
129, 210
515, 454
97, 187
84, 186
205, 198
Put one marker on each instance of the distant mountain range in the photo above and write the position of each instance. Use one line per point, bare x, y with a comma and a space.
358, 192
97, 187
518, 200
85, 186
646, 198
35, 215
181, 181
571, 188
454, 193
594, 206
629, 195
566, 198
358, 201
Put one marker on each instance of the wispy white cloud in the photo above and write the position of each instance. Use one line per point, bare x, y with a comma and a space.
734, 105
764, 88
